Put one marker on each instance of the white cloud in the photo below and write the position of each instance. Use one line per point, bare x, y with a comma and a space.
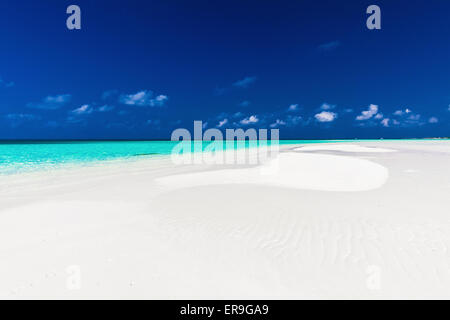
143, 99
84, 109
385, 122
244, 83
140, 98
401, 118
105, 108
407, 118
402, 112
369, 113
161, 99
293, 107
293, 120
225, 115
249, 120
414, 117
326, 106
326, 116
433, 120
51, 102
288, 121
222, 123
278, 123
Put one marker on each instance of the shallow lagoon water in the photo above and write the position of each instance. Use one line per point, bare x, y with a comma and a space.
26, 156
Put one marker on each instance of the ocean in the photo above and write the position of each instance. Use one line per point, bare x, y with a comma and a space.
26, 156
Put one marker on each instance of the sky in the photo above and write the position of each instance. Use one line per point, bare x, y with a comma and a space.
140, 69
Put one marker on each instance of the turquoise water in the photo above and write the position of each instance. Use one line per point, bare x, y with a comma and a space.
31, 156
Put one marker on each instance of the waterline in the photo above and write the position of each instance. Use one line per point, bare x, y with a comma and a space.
19, 157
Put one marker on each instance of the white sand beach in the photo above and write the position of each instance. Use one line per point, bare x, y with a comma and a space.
345, 220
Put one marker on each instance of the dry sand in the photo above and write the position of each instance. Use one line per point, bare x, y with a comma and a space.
345, 220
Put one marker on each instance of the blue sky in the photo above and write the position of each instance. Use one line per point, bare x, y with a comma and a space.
140, 69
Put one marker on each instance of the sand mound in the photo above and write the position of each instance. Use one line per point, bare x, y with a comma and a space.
343, 148
293, 170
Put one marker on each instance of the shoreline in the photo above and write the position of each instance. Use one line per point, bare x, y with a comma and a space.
94, 162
